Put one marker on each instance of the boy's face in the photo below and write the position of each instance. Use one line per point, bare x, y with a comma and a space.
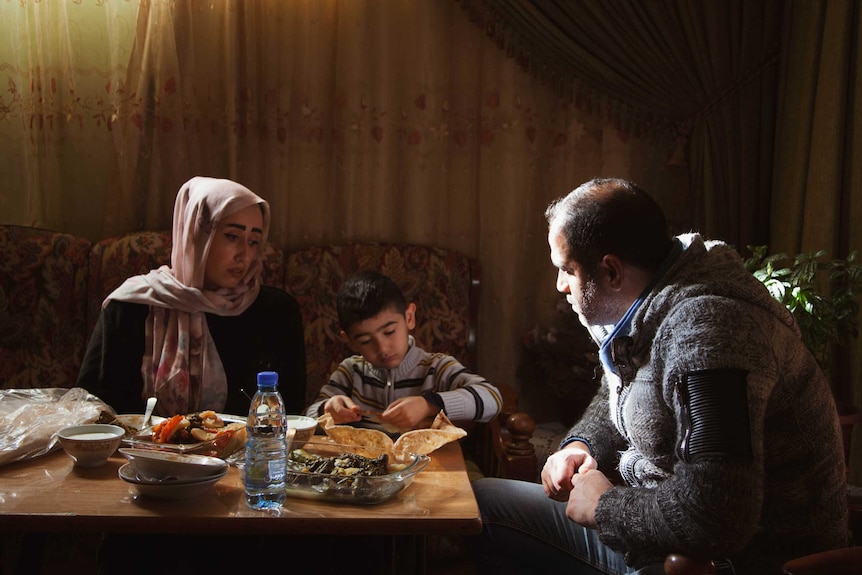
382, 339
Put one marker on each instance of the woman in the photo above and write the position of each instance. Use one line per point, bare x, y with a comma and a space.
196, 334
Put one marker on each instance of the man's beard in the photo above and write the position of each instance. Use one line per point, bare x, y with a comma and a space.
595, 309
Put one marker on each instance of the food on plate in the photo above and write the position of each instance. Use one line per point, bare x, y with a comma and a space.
344, 464
172, 430
349, 473
205, 427
418, 441
192, 428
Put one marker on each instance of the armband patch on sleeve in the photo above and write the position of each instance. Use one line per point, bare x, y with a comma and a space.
714, 412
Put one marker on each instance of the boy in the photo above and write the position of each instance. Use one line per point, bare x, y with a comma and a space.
392, 384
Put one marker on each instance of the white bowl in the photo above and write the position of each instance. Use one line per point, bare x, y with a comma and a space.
304, 427
91, 445
153, 465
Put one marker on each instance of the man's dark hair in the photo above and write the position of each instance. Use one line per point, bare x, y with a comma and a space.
611, 216
366, 294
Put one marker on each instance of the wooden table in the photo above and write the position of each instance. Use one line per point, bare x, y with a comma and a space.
48, 494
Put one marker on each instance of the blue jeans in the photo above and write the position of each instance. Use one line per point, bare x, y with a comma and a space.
524, 531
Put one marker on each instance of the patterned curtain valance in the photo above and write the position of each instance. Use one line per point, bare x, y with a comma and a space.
655, 66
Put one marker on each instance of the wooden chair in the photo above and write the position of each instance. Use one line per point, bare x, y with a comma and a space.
847, 561
677, 564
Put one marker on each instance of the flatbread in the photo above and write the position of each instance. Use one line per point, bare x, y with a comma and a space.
349, 435
418, 441
424, 441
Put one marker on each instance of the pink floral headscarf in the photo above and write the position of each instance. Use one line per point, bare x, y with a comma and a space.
181, 365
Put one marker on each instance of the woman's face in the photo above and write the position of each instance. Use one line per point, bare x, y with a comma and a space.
234, 247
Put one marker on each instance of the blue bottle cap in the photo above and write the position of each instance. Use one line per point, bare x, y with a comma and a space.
267, 379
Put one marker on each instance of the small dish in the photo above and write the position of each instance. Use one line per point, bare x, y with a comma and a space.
155, 465
169, 489
304, 428
90, 445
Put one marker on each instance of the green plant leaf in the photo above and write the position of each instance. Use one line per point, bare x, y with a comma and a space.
821, 294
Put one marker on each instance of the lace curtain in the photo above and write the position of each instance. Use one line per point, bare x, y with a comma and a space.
356, 119
62, 68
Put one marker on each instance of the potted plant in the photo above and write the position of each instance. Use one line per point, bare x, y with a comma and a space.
819, 292
822, 295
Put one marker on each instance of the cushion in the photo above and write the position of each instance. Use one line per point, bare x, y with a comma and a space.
43, 333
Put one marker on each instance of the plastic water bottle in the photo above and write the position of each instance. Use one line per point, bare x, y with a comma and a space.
266, 450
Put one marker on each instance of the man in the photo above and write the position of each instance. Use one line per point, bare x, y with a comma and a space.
714, 433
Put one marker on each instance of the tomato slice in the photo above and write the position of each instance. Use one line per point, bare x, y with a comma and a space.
168, 428
223, 437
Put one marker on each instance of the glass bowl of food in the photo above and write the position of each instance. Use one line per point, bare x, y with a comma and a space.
349, 473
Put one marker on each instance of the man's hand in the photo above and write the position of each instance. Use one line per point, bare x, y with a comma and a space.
406, 413
342, 409
587, 487
562, 465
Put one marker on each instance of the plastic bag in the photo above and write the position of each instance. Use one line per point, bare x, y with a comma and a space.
30, 419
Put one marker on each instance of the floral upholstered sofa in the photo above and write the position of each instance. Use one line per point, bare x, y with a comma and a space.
52, 286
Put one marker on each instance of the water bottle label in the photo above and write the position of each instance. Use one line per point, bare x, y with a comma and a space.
274, 472
277, 471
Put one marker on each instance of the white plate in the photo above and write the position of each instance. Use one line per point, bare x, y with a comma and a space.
134, 421
169, 489
159, 465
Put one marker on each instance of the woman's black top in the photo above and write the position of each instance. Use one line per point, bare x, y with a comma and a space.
268, 336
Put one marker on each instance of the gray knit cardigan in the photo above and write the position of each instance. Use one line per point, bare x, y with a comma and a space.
782, 496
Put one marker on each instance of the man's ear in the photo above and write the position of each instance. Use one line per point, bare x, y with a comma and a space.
410, 315
613, 270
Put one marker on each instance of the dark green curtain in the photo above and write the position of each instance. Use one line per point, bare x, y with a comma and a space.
817, 198
704, 71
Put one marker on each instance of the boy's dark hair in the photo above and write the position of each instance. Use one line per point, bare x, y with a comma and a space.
365, 295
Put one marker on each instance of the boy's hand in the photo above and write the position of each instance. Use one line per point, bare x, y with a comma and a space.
407, 412
342, 409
